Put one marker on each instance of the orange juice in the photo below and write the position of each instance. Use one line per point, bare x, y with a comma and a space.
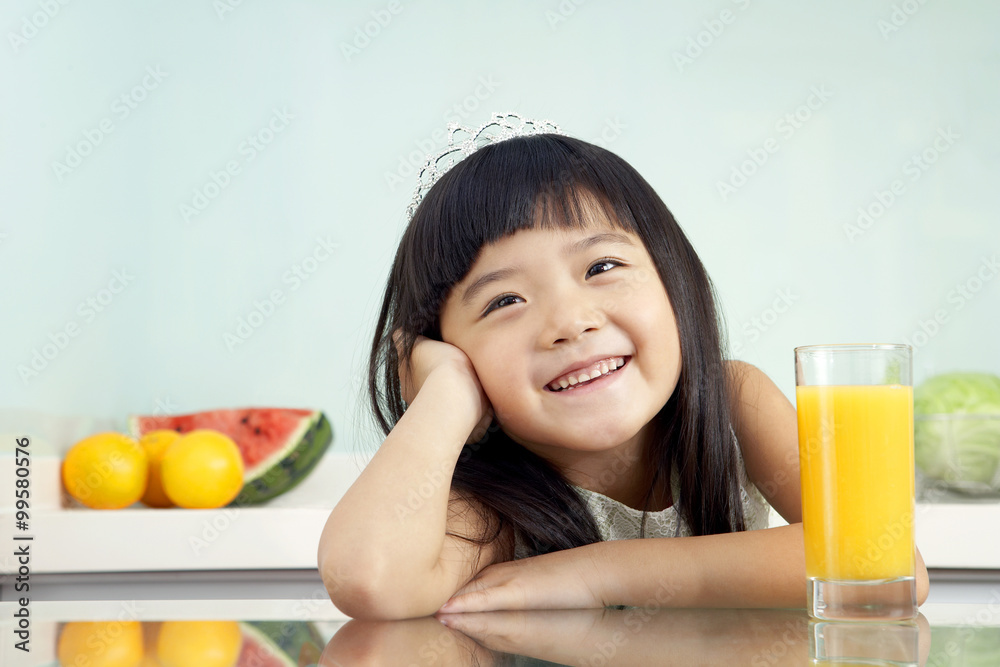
856, 456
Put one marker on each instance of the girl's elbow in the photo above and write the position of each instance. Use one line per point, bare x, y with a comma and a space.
368, 605
362, 595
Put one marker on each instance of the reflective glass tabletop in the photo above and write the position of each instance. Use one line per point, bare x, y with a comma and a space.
310, 631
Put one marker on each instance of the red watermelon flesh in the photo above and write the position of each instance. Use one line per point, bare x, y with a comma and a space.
275, 643
280, 446
255, 653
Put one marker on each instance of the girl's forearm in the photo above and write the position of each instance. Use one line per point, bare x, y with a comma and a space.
386, 534
756, 568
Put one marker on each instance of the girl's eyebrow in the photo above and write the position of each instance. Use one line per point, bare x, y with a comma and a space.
614, 238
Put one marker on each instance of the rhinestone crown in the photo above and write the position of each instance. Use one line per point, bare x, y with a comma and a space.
464, 141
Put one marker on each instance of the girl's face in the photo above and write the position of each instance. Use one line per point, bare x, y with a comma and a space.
544, 306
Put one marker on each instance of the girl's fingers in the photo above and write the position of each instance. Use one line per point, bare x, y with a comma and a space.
466, 602
493, 598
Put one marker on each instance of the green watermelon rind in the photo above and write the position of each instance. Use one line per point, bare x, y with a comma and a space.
280, 643
297, 437
286, 469
276, 635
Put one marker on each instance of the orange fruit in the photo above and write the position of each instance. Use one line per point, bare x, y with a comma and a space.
202, 469
100, 644
106, 471
199, 643
156, 444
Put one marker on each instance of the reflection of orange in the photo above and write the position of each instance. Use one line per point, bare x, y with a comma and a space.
199, 643
100, 644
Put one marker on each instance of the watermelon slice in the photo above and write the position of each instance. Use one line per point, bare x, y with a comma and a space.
277, 643
280, 446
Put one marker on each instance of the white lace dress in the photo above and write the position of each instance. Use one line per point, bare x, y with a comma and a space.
618, 521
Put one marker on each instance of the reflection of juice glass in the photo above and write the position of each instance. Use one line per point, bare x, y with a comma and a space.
836, 644
855, 412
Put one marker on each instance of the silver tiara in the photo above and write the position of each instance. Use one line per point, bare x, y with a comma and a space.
464, 141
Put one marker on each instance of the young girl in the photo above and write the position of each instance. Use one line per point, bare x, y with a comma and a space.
549, 371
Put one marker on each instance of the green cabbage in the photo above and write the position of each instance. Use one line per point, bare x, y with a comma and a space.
957, 429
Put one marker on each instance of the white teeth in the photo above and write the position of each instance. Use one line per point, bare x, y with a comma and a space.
603, 368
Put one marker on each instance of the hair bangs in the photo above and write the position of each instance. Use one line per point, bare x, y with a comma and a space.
541, 182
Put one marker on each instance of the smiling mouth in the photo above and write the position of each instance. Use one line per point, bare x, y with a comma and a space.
582, 379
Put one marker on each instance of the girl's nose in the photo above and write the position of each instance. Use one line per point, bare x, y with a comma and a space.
569, 316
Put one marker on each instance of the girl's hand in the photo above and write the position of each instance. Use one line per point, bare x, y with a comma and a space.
567, 579
429, 356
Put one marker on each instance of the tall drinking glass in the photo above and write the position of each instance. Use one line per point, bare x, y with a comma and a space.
855, 414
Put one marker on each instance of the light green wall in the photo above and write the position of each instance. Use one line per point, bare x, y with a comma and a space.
344, 124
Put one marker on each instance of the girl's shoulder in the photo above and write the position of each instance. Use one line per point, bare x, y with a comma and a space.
767, 431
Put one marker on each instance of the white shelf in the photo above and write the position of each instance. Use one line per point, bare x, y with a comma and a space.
284, 534
959, 533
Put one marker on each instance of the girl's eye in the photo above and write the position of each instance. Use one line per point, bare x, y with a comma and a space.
506, 299
603, 262
500, 302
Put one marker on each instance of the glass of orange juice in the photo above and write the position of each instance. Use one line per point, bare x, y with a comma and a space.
855, 414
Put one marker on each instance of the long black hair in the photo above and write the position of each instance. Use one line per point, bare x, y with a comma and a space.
540, 181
